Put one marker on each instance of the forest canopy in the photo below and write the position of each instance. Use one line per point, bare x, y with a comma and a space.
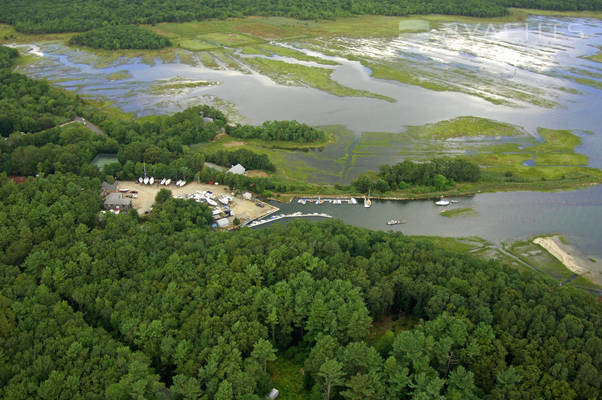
120, 37
39, 16
290, 131
107, 307
439, 173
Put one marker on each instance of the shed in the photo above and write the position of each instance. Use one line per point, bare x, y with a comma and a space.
116, 200
222, 223
107, 188
237, 170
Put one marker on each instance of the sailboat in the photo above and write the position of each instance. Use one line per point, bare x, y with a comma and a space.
367, 201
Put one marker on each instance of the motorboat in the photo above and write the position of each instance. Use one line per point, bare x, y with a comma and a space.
140, 180
367, 202
162, 181
151, 180
167, 182
443, 203
146, 180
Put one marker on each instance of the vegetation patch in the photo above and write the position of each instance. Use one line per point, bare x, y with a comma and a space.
538, 257
459, 212
120, 37
119, 75
271, 50
316, 77
177, 85
227, 39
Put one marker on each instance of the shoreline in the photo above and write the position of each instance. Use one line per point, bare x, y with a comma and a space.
570, 258
289, 197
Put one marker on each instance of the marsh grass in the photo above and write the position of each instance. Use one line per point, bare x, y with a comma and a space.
459, 212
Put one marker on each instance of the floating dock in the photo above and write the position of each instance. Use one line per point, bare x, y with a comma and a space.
283, 216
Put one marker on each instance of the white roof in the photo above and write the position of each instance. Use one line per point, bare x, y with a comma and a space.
237, 169
222, 223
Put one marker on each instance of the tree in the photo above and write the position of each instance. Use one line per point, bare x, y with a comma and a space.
162, 196
224, 392
332, 376
263, 351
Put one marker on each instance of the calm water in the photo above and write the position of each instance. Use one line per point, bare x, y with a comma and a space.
502, 216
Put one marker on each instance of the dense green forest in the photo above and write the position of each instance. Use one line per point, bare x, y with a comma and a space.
438, 174
102, 306
109, 308
120, 37
291, 131
37, 16
7, 56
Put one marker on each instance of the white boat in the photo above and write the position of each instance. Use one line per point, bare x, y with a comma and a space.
223, 200
151, 180
140, 180
178, 183
146, 180
367, 202
167, 182
454, 201
124, 190
443, 203
353, 200
182, 183
211, 202
162, 181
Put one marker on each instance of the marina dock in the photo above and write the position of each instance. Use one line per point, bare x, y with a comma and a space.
283, 216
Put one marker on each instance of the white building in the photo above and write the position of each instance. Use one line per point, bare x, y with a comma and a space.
237, 170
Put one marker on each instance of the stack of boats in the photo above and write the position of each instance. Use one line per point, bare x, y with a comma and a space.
165, 181
351, 201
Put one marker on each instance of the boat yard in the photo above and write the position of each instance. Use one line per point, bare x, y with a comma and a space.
246, 210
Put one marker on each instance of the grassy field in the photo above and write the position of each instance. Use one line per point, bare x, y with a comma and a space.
459, 212
542, 260
499, 147
271, 50
317, 163
557, 167
288, 378
465, 127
